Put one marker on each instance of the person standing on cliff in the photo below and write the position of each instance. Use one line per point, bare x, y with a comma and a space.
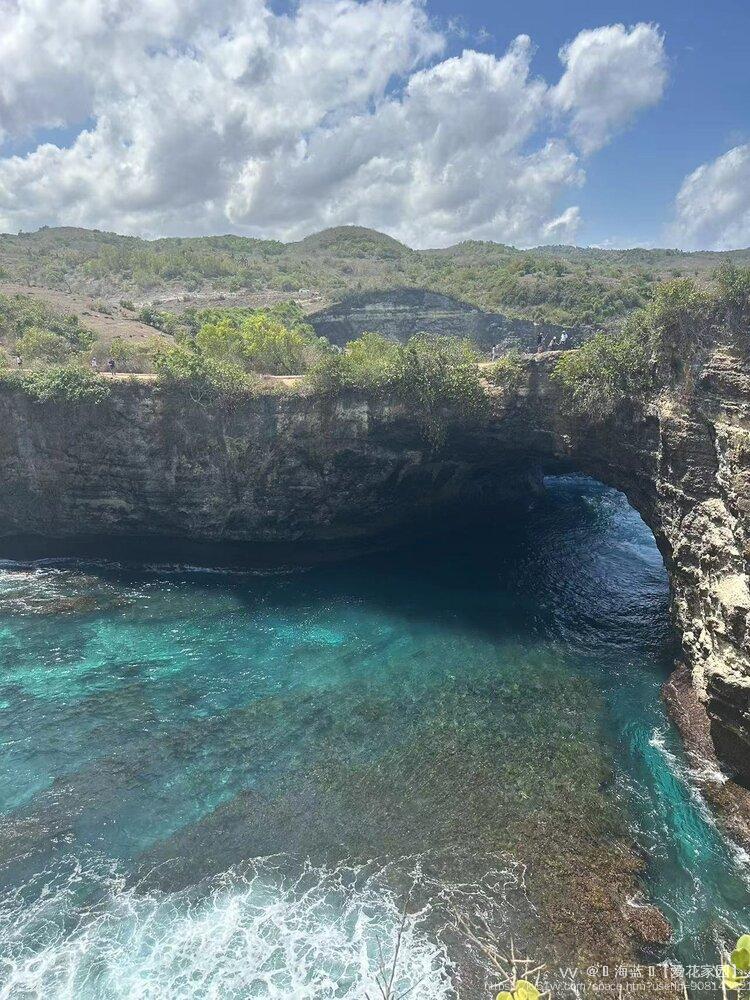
94, 365
111, 366
539, 341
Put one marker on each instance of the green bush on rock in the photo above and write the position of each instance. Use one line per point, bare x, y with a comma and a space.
185, 369
507, 371
260, 343
736, 973
662, 345
60, 383
605, 370
437, 376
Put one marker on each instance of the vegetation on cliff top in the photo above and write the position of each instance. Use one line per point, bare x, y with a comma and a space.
206, 381
660, 345
69, 383
219, 353
507, 371
437, 377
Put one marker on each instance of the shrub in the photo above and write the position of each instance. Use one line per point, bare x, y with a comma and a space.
661, 345
437, 377
259, 342
507, 371
159, 319
372, 362
605, 370
185, 369
327, 376
734, 291
673, 318
134, 357
736, 973
61, 383
43, 346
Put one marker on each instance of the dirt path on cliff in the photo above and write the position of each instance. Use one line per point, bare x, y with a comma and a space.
289, 380
279, 380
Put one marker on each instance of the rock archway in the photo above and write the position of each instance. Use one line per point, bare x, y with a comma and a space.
285, 469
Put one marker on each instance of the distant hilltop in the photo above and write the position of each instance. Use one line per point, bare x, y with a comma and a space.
562, 285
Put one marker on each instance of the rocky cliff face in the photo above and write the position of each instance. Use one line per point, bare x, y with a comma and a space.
397, 314
703, 509
684, 463
275, 469
290, 469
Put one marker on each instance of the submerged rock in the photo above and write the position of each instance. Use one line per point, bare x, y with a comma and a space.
649, 925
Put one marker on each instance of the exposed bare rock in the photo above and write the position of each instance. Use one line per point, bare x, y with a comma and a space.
730, 800
398, 313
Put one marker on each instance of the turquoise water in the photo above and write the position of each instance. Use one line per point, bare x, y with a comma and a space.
225, 783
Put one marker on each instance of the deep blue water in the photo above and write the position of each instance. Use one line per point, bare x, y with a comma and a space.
223, 783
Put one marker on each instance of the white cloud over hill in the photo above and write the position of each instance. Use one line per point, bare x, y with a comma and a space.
197, 116
610, 75
713, 205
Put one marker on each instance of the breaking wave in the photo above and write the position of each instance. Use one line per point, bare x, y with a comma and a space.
80, 931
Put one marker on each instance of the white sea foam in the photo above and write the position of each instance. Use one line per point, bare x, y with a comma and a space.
81, 933
691, 777
67, 564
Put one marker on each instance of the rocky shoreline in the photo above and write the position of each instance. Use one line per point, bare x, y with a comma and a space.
729, 800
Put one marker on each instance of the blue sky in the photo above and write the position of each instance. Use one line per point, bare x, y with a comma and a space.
705, 110
434, 120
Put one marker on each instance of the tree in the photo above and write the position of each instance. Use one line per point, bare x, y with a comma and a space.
259, 342
186, 369
37, 345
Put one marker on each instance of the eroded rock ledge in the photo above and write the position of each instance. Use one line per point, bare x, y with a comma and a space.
292, 469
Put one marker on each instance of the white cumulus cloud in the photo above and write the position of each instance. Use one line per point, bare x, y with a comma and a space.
198, 116
611, 74
712, 209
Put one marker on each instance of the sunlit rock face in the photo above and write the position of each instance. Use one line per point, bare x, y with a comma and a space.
290, 470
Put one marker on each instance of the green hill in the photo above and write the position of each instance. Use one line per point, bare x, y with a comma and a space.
566, 285
354, 241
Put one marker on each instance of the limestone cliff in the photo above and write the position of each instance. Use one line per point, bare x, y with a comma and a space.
293, 469
398, 313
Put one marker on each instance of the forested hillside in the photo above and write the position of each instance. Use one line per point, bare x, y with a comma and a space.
564, 285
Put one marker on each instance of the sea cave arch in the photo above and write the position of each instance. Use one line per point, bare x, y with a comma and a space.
288, 473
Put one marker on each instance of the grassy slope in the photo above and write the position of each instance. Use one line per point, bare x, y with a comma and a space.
559, 284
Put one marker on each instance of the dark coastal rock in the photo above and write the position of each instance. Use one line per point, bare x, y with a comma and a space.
730, 800
298, 474
650, 927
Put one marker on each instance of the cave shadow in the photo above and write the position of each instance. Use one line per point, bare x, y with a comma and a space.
481, 551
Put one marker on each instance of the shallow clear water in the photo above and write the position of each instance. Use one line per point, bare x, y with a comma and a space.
223, 784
